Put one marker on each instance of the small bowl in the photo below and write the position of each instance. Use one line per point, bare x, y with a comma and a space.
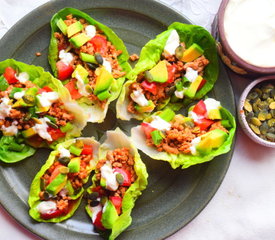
228, 56
241, 114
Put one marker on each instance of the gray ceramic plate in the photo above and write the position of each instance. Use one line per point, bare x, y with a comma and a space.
173, 197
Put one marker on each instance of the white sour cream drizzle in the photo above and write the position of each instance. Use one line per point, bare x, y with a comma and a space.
249, 27
191, 74
139, 98
47, 98
41, 129
22, 77
66, 57
172, 43
194, 143
45, 207
5, 107
110, 177
90, 31
160, 124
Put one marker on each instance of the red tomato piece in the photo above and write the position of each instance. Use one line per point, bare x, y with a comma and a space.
44, 89
87, 150
99, 43
147, 129
55, 133
97, 223
117, 202
72, 89
204, 123
150, 87
201, 84
171, 73
126, 175
9, 75
64, 71
200, 108
53, 214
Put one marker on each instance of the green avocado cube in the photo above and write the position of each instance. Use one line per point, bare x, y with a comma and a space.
109, 215
28, 133
159, 73
74, 28
157, 136
103, 81
57, 184
81, 72
62, 26
192, 89
79, 40
74, 165
193, 52
167, 114
214, 114
88, 58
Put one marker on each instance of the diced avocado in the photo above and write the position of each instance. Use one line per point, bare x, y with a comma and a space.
149, 108
3, 84
157, 136
28, 100
15, 90
103, 80
81, 72
211, 140
62, 26
193, 52
67, 127
28, 133
74, 28
159, 73
74, 165
75, 150
88, 58
57, 184
70, 188
79, 40
109, 215
192, 89
104, 95
167, 114
103, 182
214, 114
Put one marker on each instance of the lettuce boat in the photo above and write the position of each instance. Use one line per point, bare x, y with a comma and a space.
176, 67
119, 178
57, 189
89, 58
207, 132
35, 111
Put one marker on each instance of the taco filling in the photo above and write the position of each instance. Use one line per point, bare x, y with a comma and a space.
87, 59
60, 182
178, 74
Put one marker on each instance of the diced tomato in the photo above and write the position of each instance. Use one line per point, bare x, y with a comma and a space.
97, 223
201, 84
44, 89
126, 175
171, 73
117, 202
150, 87
54, 174
147, 129
72, 89
64, 71
87, 150
204, 123
9, 75
53, 214
200, 108
55, 133
99, 44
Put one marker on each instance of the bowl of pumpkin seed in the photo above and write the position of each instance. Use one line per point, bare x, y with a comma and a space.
257, 111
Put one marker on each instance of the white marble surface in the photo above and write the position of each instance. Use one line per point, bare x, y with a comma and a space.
243, 207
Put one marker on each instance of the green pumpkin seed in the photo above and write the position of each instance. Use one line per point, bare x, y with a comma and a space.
271, 122
42, 183
256, 121
271, 130
94, 203
148, 76
89, 89
29, 99
179, 52
272, 105
99, 58
264, 128
46, 195
64, 170
53, 125
119, 178
253, 95
92, 66
255, 129
64, 160
272, 93
92, 196
265, 95
262, 116
247, 106
249, 115
271, 137
258, 91
272, 112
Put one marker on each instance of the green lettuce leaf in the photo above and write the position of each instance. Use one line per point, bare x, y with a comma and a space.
117, 139
95, 112
41, 78
184, 160
35, 188
151, 54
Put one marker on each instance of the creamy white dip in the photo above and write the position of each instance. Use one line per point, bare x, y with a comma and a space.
249, 27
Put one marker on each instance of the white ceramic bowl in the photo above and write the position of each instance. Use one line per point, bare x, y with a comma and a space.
241, 114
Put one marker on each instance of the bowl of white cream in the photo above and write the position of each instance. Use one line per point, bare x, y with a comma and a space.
246, 30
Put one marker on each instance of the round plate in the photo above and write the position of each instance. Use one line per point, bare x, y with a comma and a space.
173, 197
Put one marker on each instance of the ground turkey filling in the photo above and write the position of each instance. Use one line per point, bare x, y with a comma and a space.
23, 119
62, 199
166, 90
110, 54
178, 139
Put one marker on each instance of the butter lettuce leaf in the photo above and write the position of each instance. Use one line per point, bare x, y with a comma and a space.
94, 111
185, 160
117, 139
151, 53
35, 188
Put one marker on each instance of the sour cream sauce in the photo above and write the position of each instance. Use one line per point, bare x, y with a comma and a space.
249, 27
